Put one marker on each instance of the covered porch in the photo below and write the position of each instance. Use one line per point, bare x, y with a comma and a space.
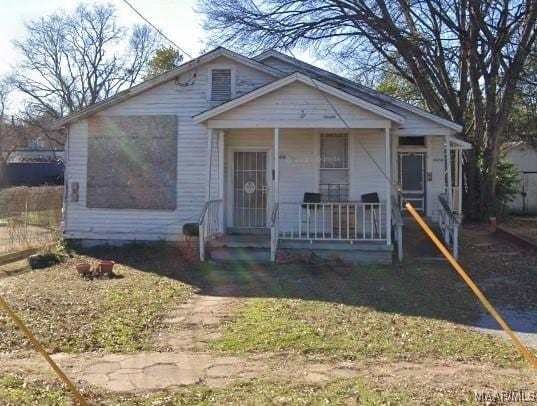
313, 188
303, 165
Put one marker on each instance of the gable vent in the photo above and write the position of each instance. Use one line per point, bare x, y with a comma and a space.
221, 84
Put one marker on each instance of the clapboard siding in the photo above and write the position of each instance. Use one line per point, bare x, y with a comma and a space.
298, 149
168, 98
297, 102
415, 124
299, 164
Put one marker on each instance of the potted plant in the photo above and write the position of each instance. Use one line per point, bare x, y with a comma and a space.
83, 268
106, 266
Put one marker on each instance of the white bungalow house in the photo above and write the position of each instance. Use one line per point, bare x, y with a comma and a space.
266, 153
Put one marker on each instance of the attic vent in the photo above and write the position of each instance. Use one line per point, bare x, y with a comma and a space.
221, 84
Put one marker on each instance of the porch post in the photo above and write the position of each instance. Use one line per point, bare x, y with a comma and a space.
209, 164
276, 165
221, 179
459, 177
448, 169
388, 171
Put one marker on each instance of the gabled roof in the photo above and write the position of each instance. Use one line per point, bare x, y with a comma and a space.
164, 77
307, 80
330, 81
357, 89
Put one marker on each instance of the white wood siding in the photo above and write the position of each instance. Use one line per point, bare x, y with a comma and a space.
299, 151
167, 98
298, 106
414, 123
299, 164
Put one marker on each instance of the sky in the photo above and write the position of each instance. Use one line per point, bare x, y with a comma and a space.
176, 18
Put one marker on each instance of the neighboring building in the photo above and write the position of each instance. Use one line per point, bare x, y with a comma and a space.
35, 166
238, 143
524, 156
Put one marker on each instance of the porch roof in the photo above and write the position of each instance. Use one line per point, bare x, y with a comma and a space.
366, 114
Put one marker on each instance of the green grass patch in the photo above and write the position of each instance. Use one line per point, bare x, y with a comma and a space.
354, 332
68, 313
130, 314
16, 390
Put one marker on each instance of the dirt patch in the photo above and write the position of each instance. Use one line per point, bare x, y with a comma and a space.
190, 326
448, 380
524, 226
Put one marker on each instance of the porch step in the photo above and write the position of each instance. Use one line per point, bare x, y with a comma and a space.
227, 254
240, 241
239, 248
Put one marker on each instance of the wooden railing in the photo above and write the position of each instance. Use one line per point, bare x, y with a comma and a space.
352, 221
209, 224
274, 231
456, 198
449, 224
397, 225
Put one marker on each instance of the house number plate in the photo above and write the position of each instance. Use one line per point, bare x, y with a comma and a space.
249, 187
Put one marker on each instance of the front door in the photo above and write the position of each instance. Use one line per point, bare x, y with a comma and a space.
250, 189
412, 178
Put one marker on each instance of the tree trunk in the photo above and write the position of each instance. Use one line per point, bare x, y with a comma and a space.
3, 174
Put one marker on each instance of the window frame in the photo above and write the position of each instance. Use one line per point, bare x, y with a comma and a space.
346, 167
210, 69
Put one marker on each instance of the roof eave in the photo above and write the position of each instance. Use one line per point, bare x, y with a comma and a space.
457, 128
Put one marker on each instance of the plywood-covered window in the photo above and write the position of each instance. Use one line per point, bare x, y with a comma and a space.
221, 84
334, 167
132, 162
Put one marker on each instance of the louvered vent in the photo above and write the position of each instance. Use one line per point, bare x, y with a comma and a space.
221, 84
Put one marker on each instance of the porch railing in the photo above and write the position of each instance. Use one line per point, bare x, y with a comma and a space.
352, 221
449, 224
456, 198
274, 231
209, 224
397, 225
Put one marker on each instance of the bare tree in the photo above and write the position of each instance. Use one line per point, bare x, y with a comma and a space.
71, 61
464, 56
4, 92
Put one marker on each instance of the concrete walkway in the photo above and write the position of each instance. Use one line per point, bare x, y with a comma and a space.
149, 371
184, 359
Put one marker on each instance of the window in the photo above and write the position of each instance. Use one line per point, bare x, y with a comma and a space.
334, 168
411, 141
221, 84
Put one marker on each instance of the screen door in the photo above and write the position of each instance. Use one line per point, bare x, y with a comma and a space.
412, 178
250, 189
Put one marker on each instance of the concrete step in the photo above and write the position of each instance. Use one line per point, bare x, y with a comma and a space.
239, 254
240, 241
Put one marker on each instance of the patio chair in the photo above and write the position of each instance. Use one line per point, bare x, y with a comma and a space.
310, 198
372, 198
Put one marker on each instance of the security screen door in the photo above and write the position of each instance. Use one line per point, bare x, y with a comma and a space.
250, 189
412, 178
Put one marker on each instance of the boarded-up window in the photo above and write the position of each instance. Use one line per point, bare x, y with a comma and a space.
221, 84
132, 162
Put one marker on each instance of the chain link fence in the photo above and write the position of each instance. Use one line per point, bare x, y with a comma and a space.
29, 217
